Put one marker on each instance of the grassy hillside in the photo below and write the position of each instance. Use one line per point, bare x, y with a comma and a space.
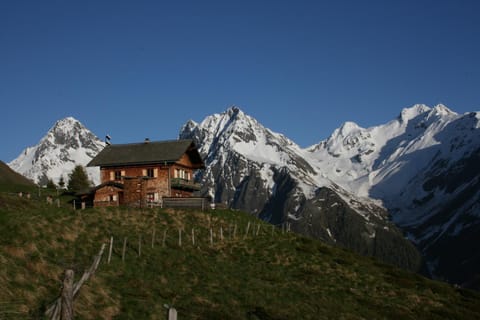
259, 275
13, 181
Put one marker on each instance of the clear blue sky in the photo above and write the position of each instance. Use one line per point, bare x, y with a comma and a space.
137, 69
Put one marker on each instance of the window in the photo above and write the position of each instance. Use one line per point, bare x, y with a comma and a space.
150, 173
182, 174
118, 175
150, 197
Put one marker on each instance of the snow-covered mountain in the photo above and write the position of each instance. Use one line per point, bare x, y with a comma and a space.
378, 161
249, 167
67, 144
419, 172
423, 167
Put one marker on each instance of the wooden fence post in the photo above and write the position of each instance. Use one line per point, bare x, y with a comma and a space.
172, 314
248, 228
110, 250
153, 237
139, 245
164, 237
179, 237
87, 274
124, 248
67, 296
62, 308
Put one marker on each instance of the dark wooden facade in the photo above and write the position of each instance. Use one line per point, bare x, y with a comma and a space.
142, 174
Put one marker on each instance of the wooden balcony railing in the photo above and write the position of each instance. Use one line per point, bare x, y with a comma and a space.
184, 184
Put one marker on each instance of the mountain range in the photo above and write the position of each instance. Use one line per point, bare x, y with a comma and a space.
387, 191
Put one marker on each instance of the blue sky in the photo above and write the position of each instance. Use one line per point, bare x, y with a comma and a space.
137, 69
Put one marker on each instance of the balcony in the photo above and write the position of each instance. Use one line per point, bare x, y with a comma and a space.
184, 184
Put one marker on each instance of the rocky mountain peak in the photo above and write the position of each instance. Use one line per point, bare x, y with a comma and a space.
234, 111
347, 127
412, 112
66, 144
443, 109
227, 129
70, 133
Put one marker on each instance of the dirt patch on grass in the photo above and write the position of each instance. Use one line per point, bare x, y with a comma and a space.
16, 252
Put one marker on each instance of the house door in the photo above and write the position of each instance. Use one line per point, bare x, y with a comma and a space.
120, 198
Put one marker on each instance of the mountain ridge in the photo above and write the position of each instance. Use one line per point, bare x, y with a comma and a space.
389, 166
249, 167
418, 170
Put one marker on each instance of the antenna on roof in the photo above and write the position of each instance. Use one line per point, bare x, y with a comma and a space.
107, 139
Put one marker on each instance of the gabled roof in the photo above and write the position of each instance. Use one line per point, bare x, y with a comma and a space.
147, 153
92, 190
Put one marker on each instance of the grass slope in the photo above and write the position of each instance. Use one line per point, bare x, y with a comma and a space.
12, 181
269, 275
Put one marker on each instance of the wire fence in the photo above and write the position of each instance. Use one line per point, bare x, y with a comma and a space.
216, 235
141, 244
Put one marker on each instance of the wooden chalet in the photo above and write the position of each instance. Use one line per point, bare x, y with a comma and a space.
145, 173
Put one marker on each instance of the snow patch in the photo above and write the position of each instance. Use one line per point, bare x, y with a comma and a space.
330, 234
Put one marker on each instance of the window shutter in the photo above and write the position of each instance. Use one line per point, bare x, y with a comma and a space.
144, 172
112, 175
155, 196
155, 173
123, 173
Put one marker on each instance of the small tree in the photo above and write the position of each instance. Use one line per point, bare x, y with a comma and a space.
51, 184
78, 179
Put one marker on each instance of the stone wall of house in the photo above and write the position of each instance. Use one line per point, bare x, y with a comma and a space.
108, 196
147, 184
